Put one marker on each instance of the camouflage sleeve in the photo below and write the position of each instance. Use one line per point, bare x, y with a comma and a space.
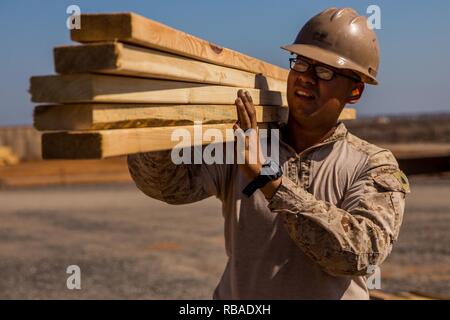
155, 174
359, 234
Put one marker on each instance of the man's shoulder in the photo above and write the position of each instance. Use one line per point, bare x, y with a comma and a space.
374, 154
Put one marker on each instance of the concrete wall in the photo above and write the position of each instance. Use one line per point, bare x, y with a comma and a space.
402, 129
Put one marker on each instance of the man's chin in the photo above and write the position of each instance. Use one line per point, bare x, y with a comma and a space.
306, 112
305, 120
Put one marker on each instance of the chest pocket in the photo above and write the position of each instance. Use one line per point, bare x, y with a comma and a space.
299, 171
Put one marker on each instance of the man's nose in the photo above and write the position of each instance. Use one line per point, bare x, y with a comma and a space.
307, 77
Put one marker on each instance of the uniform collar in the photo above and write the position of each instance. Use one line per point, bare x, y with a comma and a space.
339, 133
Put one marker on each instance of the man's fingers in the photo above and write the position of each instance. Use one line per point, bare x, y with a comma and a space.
249, 97
250, 109
238, 111
243, 116
248, 103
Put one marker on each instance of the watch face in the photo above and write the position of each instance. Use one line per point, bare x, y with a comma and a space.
270, 169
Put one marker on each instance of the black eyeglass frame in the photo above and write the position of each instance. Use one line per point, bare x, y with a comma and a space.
292, 60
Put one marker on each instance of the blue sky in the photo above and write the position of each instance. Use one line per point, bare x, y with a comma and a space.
415, 43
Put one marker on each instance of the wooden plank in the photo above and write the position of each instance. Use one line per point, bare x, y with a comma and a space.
114, 116
431, 296
65, 172
119, 116
101, 88
135, 29
122, 59
98, 144
381, 295
109, 143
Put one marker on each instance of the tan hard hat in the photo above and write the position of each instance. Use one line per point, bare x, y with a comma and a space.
342, 39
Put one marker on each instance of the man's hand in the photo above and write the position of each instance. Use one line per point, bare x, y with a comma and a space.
247, 120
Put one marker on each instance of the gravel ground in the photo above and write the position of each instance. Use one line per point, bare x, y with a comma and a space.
130, 246
420, 260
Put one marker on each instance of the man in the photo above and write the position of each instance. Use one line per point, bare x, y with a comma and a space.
332, 208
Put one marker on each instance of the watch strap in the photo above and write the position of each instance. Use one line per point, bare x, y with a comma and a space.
261, 180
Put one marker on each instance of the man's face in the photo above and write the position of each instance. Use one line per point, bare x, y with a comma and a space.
316, 102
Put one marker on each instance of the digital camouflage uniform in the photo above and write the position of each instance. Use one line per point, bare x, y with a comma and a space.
338, 210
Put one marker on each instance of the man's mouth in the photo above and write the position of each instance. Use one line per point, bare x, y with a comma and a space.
304, 94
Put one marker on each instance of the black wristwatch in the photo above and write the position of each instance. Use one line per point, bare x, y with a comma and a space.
270, 171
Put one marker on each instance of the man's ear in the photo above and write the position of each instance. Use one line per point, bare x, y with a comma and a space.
357, 90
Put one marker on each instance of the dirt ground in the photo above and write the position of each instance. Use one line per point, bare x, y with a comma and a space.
130, 246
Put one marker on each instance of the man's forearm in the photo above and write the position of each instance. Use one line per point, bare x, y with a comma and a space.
342, 242
271, 188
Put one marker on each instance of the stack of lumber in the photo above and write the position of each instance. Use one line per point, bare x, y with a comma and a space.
132, 81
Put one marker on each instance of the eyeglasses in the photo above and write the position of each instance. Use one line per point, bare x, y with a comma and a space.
322, 72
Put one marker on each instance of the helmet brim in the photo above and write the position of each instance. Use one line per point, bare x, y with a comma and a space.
330, 58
